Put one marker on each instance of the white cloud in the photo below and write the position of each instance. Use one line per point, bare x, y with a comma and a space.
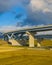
7, 28
12, 28
44, 33
49, 1
43, 5
47, 10
37, 4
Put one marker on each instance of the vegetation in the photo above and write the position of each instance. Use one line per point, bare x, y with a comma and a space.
10, 55
44, 42
26, 57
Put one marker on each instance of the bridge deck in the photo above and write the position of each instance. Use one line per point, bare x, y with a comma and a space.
32, 29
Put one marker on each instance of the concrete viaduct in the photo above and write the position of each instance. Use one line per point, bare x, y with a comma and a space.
11, 37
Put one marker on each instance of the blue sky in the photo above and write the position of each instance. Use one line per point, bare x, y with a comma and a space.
13, 16
25, 12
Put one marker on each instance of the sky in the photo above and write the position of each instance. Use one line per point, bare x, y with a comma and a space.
19, 13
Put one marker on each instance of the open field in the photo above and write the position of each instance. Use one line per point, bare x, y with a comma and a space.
25, 56
45, 42
10, 55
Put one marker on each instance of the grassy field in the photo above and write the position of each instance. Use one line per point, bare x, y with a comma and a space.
45, 42
10, 55
25, 57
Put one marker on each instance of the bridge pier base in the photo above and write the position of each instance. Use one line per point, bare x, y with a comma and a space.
38, 45
14, 42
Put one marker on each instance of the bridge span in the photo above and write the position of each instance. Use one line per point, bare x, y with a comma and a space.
11, 36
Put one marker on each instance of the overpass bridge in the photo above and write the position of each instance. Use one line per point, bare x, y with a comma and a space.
11, 36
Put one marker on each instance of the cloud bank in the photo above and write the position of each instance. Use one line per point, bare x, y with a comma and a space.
41, 11
38, 11
43, 5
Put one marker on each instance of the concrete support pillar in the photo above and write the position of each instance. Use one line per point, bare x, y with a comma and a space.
31, 38
14, 42
39, 42
38, 45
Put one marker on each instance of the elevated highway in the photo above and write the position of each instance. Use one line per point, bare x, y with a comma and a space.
33, 28
29, 31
